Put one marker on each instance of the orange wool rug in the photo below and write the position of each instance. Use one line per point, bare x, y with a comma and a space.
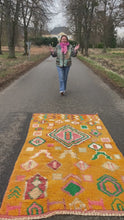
69, 164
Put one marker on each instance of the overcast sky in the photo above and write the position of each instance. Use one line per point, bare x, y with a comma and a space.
58, 19
120, 31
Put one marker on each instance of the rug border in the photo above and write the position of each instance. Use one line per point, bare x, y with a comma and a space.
63, 212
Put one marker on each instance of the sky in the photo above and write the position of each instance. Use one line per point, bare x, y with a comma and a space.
57, 20
120, 31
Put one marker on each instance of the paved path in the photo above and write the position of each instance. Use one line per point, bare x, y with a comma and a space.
38, 91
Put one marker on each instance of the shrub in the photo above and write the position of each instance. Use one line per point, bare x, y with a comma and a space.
44, 41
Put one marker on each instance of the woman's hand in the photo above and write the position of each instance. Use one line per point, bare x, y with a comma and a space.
77, 47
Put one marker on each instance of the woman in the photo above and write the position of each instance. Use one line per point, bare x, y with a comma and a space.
63, 52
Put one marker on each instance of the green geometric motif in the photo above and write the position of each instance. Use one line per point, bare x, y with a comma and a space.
14, 192
35, 209
95, 132
84, 127
37, 141
109, 186
117, 204
96, 156
73, 188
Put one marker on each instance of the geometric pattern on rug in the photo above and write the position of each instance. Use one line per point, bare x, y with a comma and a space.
71, 166
68, 136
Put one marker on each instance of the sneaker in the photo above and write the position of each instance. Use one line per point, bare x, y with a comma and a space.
62, 93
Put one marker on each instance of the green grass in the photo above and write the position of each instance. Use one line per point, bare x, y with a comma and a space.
13, 66
115, 77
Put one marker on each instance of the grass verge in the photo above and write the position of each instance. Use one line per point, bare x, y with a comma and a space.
11, 69
112, 78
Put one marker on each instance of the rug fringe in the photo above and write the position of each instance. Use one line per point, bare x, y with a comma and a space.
63, 212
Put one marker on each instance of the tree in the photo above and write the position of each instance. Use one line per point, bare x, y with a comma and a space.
74, 16
11, 8
88, 15
27, 7
34, 15
40, 18
112, 34
109, 17
81, 15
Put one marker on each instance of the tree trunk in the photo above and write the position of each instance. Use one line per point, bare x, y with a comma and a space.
104, 37
1, 22
105, 26
25, 41
11, 40
86, 44
0, 47
0, 41
10, 29
12, 22
104, 48
86, 52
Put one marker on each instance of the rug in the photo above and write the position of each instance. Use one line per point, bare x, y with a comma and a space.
69, 164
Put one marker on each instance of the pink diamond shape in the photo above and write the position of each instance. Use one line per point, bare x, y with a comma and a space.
54, 164
68, 136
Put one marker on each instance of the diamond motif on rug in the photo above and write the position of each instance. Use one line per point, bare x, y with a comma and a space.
82, 165
95, 146
73, 188
68, 136
37, 141
54, 164
110, 166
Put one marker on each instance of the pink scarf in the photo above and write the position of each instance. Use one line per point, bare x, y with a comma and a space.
64, 47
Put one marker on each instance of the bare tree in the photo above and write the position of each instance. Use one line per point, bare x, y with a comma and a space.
109, 16
27, 7
74, 18
88, 15
11, 8
34, 15
81, 13
121, 7
40, 17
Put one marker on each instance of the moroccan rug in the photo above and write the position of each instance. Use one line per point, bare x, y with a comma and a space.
69, 164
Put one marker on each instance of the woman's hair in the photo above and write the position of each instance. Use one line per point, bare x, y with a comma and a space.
63, 36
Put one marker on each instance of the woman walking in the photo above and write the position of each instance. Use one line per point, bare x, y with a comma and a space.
63, 52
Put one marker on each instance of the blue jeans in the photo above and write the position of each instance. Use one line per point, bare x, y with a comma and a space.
63, 76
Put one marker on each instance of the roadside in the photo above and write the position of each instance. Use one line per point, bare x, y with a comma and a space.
108, 66
11, 69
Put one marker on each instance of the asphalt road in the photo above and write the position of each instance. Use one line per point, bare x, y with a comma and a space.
38, 92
